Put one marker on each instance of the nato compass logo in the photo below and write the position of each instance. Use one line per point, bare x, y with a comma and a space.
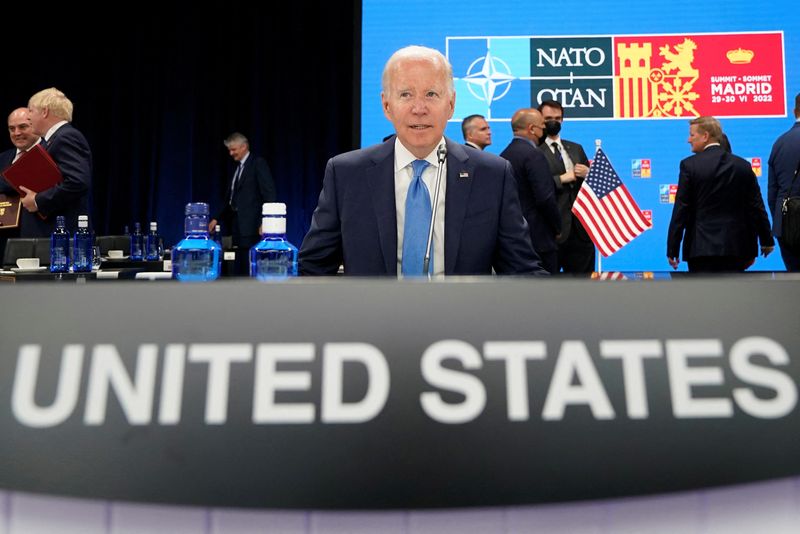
486, 74
488, 78
495, 76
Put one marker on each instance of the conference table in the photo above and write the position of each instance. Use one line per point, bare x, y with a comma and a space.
373, 393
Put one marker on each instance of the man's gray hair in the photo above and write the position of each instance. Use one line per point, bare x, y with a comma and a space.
235, 139
418, 52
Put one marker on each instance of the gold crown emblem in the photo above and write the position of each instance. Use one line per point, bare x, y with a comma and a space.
740, 56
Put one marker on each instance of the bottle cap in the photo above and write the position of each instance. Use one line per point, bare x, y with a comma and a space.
197, 208
273, 208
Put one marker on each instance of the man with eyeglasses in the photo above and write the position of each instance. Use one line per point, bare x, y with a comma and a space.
569, 166
537, 192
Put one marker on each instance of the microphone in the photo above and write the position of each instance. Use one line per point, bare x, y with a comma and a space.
441, 155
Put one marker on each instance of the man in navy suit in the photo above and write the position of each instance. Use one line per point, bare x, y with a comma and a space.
783, 163
537, 192
22, 137
251, 185
569, 166
360, 220
719, 213
51, 114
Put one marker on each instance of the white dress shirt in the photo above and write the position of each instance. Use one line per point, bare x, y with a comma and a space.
569, 165
53, 129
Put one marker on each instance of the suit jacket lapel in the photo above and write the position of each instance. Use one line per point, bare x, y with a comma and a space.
380, 177
459, 185
54, 137
572, 151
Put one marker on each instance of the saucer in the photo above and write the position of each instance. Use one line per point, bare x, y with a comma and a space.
34, 270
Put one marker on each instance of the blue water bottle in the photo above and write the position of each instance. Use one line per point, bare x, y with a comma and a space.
273, 258
196, 257
153, 246
59, 248
137, 243
82, 247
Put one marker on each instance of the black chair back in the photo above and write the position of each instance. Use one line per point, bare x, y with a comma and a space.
113, 242
26, 247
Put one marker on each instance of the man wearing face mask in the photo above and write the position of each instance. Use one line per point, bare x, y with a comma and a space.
537, 195
569, 167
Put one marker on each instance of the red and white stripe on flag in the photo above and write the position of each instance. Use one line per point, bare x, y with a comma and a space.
606, 208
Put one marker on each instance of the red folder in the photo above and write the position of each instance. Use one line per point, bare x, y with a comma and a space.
35, 169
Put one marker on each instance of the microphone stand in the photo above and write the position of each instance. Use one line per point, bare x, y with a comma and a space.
441, 155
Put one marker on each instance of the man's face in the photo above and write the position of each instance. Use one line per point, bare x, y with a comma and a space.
237, 150
20, 130
552, 114
38, 120
481, 133
697, 139
536, 128
418, 103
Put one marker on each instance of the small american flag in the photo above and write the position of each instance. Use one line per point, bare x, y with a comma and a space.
606, 208
609, 275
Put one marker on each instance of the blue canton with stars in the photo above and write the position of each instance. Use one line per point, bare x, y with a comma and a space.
602, 178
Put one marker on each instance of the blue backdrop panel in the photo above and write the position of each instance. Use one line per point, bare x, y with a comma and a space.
466, 30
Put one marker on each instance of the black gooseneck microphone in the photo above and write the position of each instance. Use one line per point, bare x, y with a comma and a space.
441, 155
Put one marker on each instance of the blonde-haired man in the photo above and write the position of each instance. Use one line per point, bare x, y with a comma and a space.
51, 114
718, 213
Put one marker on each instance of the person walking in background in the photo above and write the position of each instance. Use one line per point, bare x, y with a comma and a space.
51, 115
784, 161
251, 185
537, 192
718, 213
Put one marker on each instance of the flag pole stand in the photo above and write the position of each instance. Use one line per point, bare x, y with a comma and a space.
597, 143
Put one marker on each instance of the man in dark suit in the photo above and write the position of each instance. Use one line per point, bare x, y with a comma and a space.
568, 166
719, 213
783, 163
537, 192
22, 137
477, 132
51, 114
251, 185
376, 204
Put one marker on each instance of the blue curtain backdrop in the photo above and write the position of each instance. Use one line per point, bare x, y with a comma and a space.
156, 93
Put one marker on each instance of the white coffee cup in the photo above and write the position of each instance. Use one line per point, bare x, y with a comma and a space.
28, 263
116, 254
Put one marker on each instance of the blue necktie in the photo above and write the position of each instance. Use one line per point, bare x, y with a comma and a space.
417, 222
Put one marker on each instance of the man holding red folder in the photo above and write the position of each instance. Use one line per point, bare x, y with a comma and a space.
51, 114
22, 137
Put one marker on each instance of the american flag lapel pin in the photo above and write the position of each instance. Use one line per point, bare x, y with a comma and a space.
463, 175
